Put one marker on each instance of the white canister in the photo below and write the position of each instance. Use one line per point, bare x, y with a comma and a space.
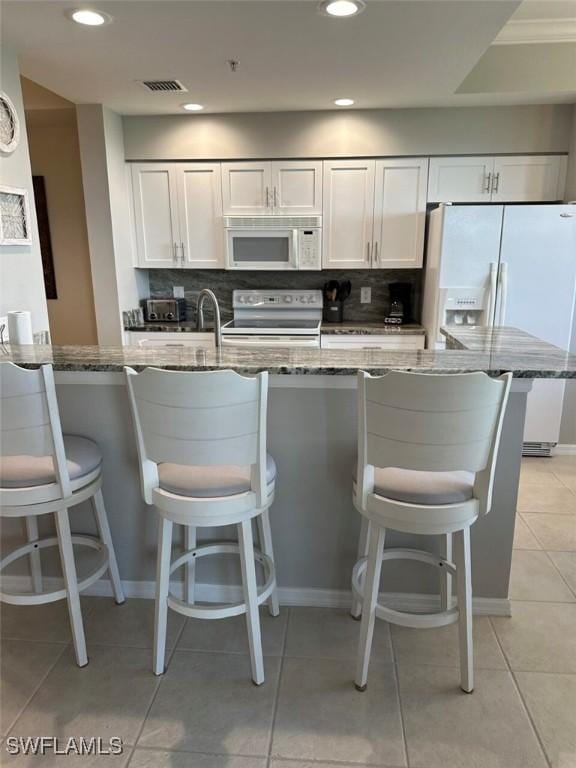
20, 327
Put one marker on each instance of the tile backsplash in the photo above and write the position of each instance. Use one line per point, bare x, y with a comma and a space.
223, 282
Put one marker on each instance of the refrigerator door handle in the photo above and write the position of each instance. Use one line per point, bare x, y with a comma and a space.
492, 295
503, 280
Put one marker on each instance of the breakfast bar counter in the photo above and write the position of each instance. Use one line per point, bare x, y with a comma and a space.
312, 436
494, 351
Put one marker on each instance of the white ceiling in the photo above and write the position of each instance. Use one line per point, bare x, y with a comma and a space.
398, 53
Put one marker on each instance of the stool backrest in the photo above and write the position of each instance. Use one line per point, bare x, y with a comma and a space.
199, 418
432, 422
30, 420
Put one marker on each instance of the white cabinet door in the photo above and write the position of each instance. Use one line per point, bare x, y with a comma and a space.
348, 214
247, 188
399, 213
297, 187
528, 179
156, 215
200, 214
460, 179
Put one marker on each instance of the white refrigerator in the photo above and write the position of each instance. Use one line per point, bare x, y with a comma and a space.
512, 265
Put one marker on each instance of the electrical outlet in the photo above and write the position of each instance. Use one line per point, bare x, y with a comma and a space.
178, 291
365, 295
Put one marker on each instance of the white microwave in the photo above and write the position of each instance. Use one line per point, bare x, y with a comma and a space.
273, 242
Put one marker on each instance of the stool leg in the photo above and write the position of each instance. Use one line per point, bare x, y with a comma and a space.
162, 586
446, 578
464, 590
190, 583
71, 582
265, 537
106, 537
250, 598
356, 610
371, 586
35, 565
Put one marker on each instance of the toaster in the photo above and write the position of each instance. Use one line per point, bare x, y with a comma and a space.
164, 310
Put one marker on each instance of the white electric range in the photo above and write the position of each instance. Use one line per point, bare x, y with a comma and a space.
274, 319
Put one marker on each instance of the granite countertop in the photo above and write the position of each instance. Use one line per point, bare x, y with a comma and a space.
503, 350
362, 329
495, 340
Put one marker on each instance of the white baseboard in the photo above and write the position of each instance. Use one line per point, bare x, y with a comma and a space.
564, 449
316, 598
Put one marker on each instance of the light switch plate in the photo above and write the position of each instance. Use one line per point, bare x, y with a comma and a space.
178, 291
366, 295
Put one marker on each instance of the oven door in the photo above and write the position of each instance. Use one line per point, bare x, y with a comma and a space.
253, 340
258, 249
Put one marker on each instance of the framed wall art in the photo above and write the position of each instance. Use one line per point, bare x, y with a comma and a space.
15, 227
9, 125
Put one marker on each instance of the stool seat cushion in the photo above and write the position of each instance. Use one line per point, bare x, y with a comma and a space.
415, 487
210, 481
83, 457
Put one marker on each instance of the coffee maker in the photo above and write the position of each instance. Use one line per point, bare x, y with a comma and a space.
400, 304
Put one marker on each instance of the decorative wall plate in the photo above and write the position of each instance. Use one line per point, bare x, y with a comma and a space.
9, 125
14, 216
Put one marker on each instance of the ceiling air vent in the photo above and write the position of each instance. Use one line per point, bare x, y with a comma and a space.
163, 86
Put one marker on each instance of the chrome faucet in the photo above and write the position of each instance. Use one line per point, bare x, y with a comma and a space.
204, 294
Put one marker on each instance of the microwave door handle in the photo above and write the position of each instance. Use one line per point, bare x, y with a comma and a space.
295, 248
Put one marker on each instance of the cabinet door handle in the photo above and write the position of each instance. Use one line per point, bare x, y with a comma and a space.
275, 198
267, 197
376, 253
496, 182
182, 246
368, 251
175, 254
487, 188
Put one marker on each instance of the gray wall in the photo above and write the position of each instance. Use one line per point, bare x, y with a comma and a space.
434, 131
21, 273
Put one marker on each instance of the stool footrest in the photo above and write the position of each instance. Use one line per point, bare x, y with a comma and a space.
403, 618
221, 610
39, 598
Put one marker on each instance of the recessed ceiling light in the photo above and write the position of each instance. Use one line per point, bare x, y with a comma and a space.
89, 17
343, 102
342, 8
193, 107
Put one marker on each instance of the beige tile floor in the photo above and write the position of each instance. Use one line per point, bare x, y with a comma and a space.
204, 713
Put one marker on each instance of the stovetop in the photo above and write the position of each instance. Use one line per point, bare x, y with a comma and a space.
272, 324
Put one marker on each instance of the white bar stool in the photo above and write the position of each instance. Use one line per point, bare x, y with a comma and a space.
202, 446
427, 448
43, 471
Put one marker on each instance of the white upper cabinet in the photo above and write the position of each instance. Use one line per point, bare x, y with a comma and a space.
460, 179
297, 187
178, 215
399, 213
506, 179
200, 214
154, 188
247, 188
529, 179
348, 214
374, 213
262, 188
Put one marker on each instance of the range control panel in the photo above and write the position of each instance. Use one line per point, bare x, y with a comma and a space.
278, 299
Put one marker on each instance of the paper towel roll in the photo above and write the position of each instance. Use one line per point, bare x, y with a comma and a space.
20, 328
